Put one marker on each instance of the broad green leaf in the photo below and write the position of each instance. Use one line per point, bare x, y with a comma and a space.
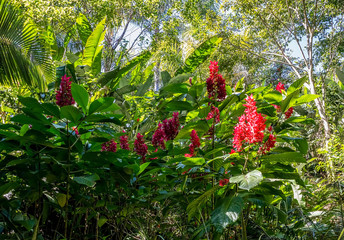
227, 212
89, 181
248, 181
273, 97
304, 99
340, 75
84, 28
7, 187
176, 88
143, 167
102, 104
297, 85
196, 205
31, 103
103, 118
286, 157
102, 221
93, 48
193, 161
288, 101
178, 106
71, 113
239, 86
115, 75
80, 95
51, 109
180, 78
61, 199
199, 55
201, 127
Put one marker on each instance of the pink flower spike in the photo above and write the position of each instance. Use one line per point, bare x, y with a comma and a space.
64, 94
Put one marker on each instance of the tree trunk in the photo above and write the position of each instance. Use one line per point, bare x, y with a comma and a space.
157, 82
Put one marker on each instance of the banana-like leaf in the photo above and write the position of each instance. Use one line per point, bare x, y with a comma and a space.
199, 55
93, 50
113, 77
84, 28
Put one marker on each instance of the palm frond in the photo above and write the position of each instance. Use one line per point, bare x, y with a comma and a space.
23, 57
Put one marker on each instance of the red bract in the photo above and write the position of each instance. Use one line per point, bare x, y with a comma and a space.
280, 87
64, 94
216, 84
171, 126
268, 145
167, 130
195, 142
214, 112
110, 146
223, 182
140, 147
288, 113
124, 142
75, 129
159, 137
250, 127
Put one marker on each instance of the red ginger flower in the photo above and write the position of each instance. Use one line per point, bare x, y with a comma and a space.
280, 87
223, 182
195, 142
214, 112
167, 130
268, 145
289, 112
140, 147
64, 94
124, 142
216, 84
251, 126
159, 137
110, 146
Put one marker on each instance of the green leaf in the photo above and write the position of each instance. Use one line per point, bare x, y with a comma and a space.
115, 75
93, 48
61, 199
273, 97
297, 85
288, 101
103, 118
31, 103
201, 128
193, 161
340, 75
89, 181
80, 95
239, 86
286, 157
71, 113
7, 187
227, 212
304, 99
248, 181
196, 205
143, 167
199, 55
102, 221
176, 88
51, 109
84, 28
102, 104
178, 105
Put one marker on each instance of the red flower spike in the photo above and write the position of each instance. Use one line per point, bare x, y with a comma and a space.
216, 84
280, 87
167, 130
214, 112
110, 146
268, 145
232, 151
288, 113
195, 139
251, 126
64, 94
75, 129
140, 147
124, 142
223, 182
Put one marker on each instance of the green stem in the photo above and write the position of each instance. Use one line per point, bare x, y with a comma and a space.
68, 176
